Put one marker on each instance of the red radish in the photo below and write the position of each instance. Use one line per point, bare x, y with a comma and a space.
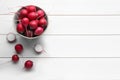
38, 48
37, 21
33, 24
38, 31
42, 22
18, 48
28, 64
29, 33
25, 22
20, 28
31, 8
11, 37
15, 58
40, 13
23, 13
32, 15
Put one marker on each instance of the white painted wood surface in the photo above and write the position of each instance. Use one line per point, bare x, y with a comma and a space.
66, 46
62, 69
71, 25
65, 6
82, 41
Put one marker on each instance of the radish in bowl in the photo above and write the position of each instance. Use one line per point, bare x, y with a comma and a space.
31, 19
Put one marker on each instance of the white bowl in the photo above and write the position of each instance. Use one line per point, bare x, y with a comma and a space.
15, 21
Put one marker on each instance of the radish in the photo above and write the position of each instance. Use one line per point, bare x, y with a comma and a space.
32, 15
42, 22
23, 13
31, 8
37, 21
18, 48
15, 58
20, 28
11, 37
28, 64
25, 21
38, 48
40, 13
38, 31
33, 24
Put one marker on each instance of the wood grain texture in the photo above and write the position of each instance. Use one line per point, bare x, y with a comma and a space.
13, 5
65, 6
66, 46
62, 69
71, 25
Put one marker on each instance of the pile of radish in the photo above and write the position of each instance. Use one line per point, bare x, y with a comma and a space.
31, 21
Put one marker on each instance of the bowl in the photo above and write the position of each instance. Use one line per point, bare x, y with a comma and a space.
16, 21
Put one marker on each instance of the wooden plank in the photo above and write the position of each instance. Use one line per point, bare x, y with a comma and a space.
53, 7
62, 69
71, 25
84, 7
65, 46
13, 5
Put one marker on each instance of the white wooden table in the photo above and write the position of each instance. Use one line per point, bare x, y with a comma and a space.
82, 41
